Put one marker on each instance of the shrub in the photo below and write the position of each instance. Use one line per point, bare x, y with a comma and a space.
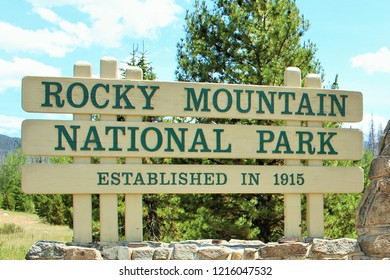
10, 228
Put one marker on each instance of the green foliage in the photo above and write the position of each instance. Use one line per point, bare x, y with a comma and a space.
10, 228
139, 58
10, 184
239, 42
340, 209
55, 209
244, 42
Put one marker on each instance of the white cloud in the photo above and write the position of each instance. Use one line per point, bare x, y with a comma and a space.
106, 23
373, 62
10, 125
54, 43
365, 124
12, 72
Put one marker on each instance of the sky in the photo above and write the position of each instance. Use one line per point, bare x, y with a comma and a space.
46, 38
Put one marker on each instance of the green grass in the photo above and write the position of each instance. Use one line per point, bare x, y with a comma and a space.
18, 231
10, 228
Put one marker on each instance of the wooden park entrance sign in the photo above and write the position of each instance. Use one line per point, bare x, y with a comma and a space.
301, 138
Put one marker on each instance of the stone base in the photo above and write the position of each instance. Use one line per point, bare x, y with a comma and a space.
315, 249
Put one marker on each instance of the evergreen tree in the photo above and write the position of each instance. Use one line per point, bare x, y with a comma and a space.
10, 184
239, 42
139, 58
244, 42
372, 143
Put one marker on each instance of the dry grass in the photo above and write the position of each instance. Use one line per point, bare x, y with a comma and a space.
14, 246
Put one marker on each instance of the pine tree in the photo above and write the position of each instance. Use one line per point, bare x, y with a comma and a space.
239, 42
140, 59
372, 138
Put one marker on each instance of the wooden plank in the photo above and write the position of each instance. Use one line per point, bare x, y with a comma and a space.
133, 207
127, 139
314, 201
108, 202
82, 203
145, 178
292, 201
114, 96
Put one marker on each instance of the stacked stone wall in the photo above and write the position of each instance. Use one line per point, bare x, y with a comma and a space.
317, 249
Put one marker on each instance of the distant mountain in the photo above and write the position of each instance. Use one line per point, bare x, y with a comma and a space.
7, 145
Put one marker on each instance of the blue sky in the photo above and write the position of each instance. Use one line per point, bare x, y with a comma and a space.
45, 37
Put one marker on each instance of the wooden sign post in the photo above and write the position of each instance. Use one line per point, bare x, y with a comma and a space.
133, 139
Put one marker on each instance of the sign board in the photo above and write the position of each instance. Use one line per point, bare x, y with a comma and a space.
124, 97
126, 139
133, 178
301, 138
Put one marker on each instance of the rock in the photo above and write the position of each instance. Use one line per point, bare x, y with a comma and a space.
80, 253
375, 245
184, 251
116, 253
280, 251
237, 254
143, 253
46, 250
373, 213
384, 144
137, 244
250, 254
162, 253
213, 253
375, 205
342, 248
246, 242
380, 167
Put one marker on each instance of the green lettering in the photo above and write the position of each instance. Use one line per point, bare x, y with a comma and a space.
218, 149
183, 180
195, 178
321, 105
127, 176
69, 95
249, 100
305, 104
203, 96
148, 96
335, 101
326, 142
102, 178
122, 96
221, 179
307, 141
208, 178
115, 178
92, 137
53, 92
269, 103
228, 103
115, 130
287, 96
179, 142
93, 95
283, 142
152, 178
139, 180
133, 142
199, 139
159, 139
263, 140
72, 141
